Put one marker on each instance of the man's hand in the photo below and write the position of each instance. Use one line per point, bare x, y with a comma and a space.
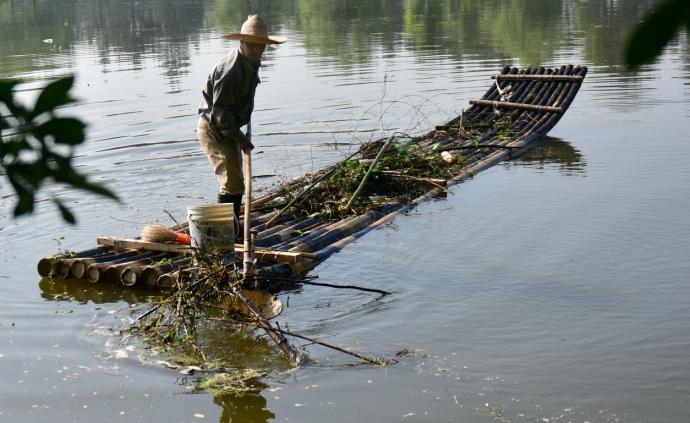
245, 144
239, 136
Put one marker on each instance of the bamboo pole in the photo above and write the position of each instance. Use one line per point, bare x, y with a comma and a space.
352, 200
150, 274
96, 271
168, 280
550, 78
550, 95
519, 106
113, 274
130, 275
342, 231
564, 100
47, 264
248, 262
484, 113
320, 229
77, 268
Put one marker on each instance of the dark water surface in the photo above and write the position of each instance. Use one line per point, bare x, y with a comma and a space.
553, 288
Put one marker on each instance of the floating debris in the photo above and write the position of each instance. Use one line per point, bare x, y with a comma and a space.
237, 383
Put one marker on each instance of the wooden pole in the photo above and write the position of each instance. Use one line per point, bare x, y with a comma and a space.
562, 78
248, 268
520, 106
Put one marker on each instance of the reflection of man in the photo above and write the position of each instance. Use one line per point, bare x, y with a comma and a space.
227, 105
248, 407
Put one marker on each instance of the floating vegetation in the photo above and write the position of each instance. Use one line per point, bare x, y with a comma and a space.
396, 174
239, 382
173, 321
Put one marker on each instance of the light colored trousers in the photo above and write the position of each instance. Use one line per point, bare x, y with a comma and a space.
225, 157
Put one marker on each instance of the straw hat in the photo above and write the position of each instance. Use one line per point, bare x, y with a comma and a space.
254, 30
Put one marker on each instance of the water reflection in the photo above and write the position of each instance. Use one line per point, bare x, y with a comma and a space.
353, 32
122, 32
84, 292
249, 407
552, 152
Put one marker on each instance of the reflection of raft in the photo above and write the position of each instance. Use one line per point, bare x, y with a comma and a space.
520, 107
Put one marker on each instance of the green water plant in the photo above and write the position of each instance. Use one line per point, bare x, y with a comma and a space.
59, 255
504, 127
238, 382
37, 144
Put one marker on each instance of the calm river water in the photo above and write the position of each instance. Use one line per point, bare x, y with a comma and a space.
553, 288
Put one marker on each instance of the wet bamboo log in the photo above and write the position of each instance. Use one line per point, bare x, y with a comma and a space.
268, 237
113, 274
149, 275
565, 78
78, 266
564, 100
275, 228
554, 96
290, 232
168, 280
129, 275
95, 272
342, 231
48, 264
338, 245
321, 229
485, 114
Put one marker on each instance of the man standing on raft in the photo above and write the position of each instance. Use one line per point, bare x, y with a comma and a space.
228, 104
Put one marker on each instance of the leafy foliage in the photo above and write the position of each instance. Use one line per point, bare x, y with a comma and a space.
37, 145
657, 30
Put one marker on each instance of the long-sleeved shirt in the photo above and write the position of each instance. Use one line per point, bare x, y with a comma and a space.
228, 95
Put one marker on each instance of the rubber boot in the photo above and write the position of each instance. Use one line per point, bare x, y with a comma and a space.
235, 199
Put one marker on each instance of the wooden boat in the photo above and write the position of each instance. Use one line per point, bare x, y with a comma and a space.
296, 227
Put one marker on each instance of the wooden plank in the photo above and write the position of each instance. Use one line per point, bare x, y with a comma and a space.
262, 254
437, 182
127, 243
520, 106
549, 78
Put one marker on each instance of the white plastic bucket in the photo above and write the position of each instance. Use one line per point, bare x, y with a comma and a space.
212, 228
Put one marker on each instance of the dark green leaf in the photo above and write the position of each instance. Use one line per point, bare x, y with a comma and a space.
54, 95
66, 214
25, 196
26, 176
7, 97
659, 27
63, 130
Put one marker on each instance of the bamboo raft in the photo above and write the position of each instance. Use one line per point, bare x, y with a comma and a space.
532, 100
